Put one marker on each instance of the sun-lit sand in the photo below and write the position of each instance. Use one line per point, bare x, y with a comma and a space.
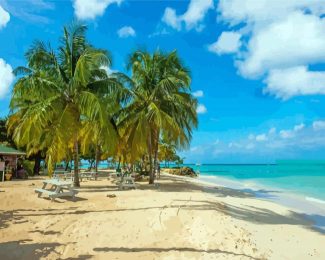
176, 220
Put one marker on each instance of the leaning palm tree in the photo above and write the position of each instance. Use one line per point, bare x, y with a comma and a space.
162, 105
56, 93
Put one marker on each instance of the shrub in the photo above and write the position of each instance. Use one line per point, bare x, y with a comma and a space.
29, 167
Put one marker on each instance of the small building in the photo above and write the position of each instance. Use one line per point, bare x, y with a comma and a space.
8, 160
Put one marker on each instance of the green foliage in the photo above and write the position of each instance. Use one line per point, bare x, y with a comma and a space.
64, 103
62, 96
4, 137
162, 105
183, 171
28, 167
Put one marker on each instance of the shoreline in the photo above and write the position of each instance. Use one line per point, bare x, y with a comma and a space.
313, 208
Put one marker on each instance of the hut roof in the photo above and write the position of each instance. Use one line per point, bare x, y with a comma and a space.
5, 150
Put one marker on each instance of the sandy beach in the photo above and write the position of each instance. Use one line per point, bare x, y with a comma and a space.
177, 219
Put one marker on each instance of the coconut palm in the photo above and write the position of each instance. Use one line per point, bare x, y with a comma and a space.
161, 105
57, 95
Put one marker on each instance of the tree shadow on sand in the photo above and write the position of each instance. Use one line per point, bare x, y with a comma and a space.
177, 185
79, 257
245, 212
66, 198
260, 215
98, 188
48, 232
169, 249
23, 249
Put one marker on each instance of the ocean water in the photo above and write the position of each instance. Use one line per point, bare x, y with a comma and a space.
305, 178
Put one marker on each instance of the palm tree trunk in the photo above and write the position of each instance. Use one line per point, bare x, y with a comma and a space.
151, 173
156, 152
67, 165
91, 162
97, 158
76, 164
37, 164
119, 163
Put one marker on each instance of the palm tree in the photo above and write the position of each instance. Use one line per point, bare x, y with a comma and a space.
166, 151
57, 93
161, 105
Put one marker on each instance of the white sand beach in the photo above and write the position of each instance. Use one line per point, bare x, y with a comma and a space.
178, 219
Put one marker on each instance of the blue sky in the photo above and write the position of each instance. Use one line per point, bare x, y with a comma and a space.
258, 67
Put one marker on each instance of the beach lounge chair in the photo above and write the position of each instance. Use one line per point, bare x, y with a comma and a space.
57, 189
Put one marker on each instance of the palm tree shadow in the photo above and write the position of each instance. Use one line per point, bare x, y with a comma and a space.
79, 257
177, 185
66, 198
49, 232
168, 249
23, 249
260, 215
98, 188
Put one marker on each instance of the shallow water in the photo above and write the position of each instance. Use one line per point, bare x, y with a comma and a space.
301, 177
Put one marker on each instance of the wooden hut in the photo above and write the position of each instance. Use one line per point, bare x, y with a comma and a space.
8, 160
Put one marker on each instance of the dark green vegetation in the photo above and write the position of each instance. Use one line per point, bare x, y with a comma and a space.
183, 171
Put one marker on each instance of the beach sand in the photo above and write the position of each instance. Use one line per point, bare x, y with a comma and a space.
178, 219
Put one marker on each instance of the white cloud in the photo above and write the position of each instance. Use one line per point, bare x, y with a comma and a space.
4, 17
170, 18
261, 138
126, 31
290, 133
108, 70
228, 42
201, 109
6, 78
265, 11
198, 93
319, 125
159, 32
297, 128
280, 45
285, 134
192, 18
296, 141
274, 47
295, 81
89, 9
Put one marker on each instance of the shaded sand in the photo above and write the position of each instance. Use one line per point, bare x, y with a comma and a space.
177, 220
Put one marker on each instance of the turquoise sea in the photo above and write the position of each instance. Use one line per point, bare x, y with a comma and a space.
301, 177
305, 178
297, 184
